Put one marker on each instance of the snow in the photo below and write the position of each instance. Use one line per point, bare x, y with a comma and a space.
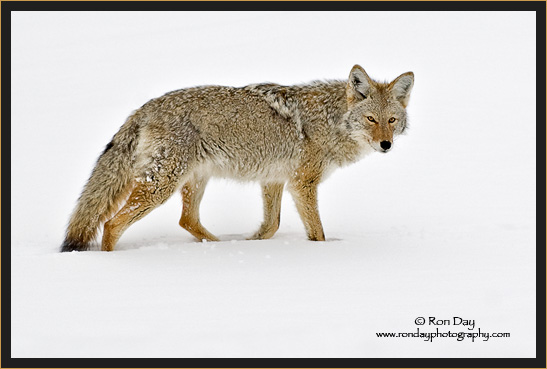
442, 226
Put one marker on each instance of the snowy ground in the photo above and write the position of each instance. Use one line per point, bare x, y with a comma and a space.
443, 226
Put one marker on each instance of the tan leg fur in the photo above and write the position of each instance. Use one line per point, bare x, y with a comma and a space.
271, 196
192, 193
303, 188
144, 198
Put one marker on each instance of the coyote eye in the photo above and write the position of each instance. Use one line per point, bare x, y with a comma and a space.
371, 118
391, 120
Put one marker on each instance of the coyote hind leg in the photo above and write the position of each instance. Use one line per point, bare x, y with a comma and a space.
144, 198
271, 196
192, 193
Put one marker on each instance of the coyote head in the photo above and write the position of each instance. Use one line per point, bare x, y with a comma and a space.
376, 111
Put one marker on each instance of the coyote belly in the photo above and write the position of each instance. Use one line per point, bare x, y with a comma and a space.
276, 135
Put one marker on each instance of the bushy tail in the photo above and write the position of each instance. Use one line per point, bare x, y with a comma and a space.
108, 186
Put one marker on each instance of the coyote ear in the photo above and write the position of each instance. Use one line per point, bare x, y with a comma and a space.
359, 85
401, 87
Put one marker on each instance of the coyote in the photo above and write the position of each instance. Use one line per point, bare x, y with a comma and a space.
268, 133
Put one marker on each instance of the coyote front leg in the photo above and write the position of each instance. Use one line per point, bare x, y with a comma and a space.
304, 193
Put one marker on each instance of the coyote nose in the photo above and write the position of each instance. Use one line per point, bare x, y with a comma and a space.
385, 145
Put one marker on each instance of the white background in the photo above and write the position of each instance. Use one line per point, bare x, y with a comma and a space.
443, 226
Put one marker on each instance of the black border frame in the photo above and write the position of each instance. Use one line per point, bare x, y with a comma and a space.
537, 6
